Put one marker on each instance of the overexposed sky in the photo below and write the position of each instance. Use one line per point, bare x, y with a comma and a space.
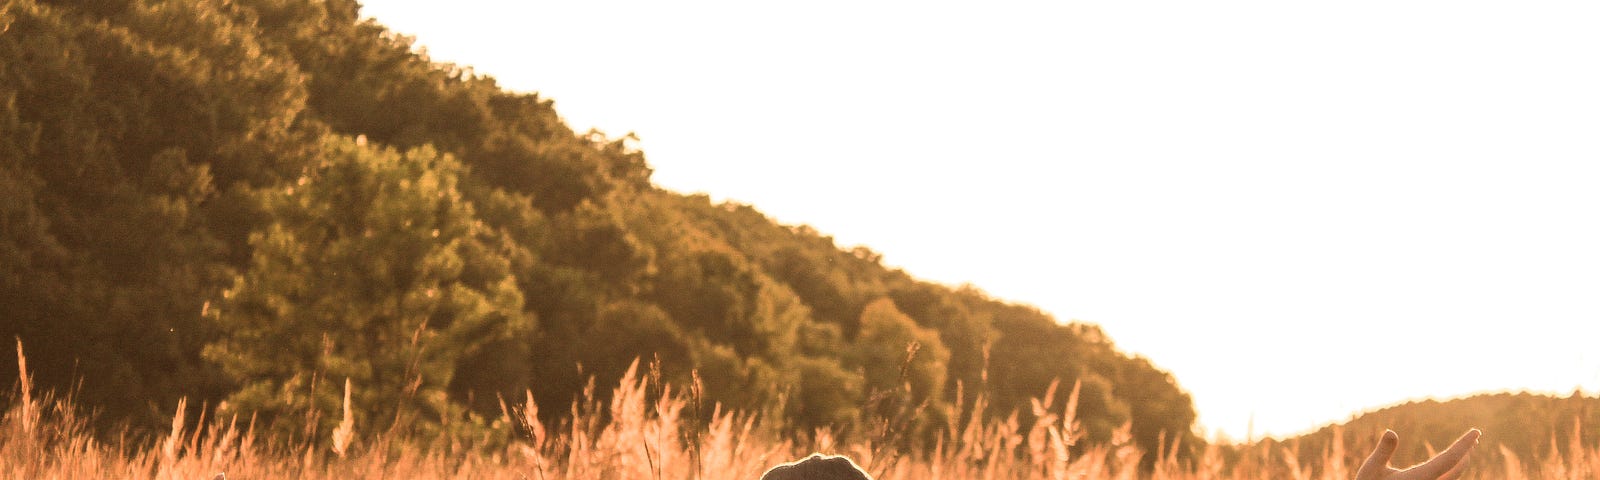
1262, 197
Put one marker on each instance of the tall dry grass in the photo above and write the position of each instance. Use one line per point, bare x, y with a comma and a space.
652, 432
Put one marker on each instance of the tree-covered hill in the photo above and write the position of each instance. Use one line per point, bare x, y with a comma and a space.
248, 202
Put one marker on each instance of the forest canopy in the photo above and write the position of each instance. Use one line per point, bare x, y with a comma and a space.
249, 202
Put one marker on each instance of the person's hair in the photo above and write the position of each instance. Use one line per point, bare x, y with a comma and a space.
818, 467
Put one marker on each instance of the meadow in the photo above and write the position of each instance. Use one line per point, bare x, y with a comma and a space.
647, 431
314, 251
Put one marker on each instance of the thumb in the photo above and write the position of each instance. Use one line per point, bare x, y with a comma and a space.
1379, 459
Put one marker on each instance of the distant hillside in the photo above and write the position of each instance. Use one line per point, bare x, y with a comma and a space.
250, 202
1530, 426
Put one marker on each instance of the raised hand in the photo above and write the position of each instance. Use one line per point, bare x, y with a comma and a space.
1444, 466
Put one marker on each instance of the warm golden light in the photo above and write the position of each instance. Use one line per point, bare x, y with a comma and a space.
1301, 210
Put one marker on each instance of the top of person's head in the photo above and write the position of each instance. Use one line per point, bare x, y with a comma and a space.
818, 467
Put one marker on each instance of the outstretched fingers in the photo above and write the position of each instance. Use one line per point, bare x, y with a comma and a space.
1449, 462
1378, 461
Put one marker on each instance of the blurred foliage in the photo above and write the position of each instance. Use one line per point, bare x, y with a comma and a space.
246, 202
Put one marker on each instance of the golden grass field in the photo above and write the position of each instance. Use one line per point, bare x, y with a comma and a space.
44, 438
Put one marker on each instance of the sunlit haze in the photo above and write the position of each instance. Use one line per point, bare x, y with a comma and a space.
1301, 209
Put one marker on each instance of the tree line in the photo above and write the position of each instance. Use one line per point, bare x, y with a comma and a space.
249, 202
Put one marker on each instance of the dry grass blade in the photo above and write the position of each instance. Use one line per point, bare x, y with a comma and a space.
346, 431
28, 414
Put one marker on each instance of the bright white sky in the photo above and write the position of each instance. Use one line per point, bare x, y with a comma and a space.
1301, 209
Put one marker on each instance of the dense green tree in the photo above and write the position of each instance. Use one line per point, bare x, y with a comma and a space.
122, 132
896, 353
827, 395
373, 268
1159, 408
904, 367
630, 330
221, 96
965, 333
1031, 351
